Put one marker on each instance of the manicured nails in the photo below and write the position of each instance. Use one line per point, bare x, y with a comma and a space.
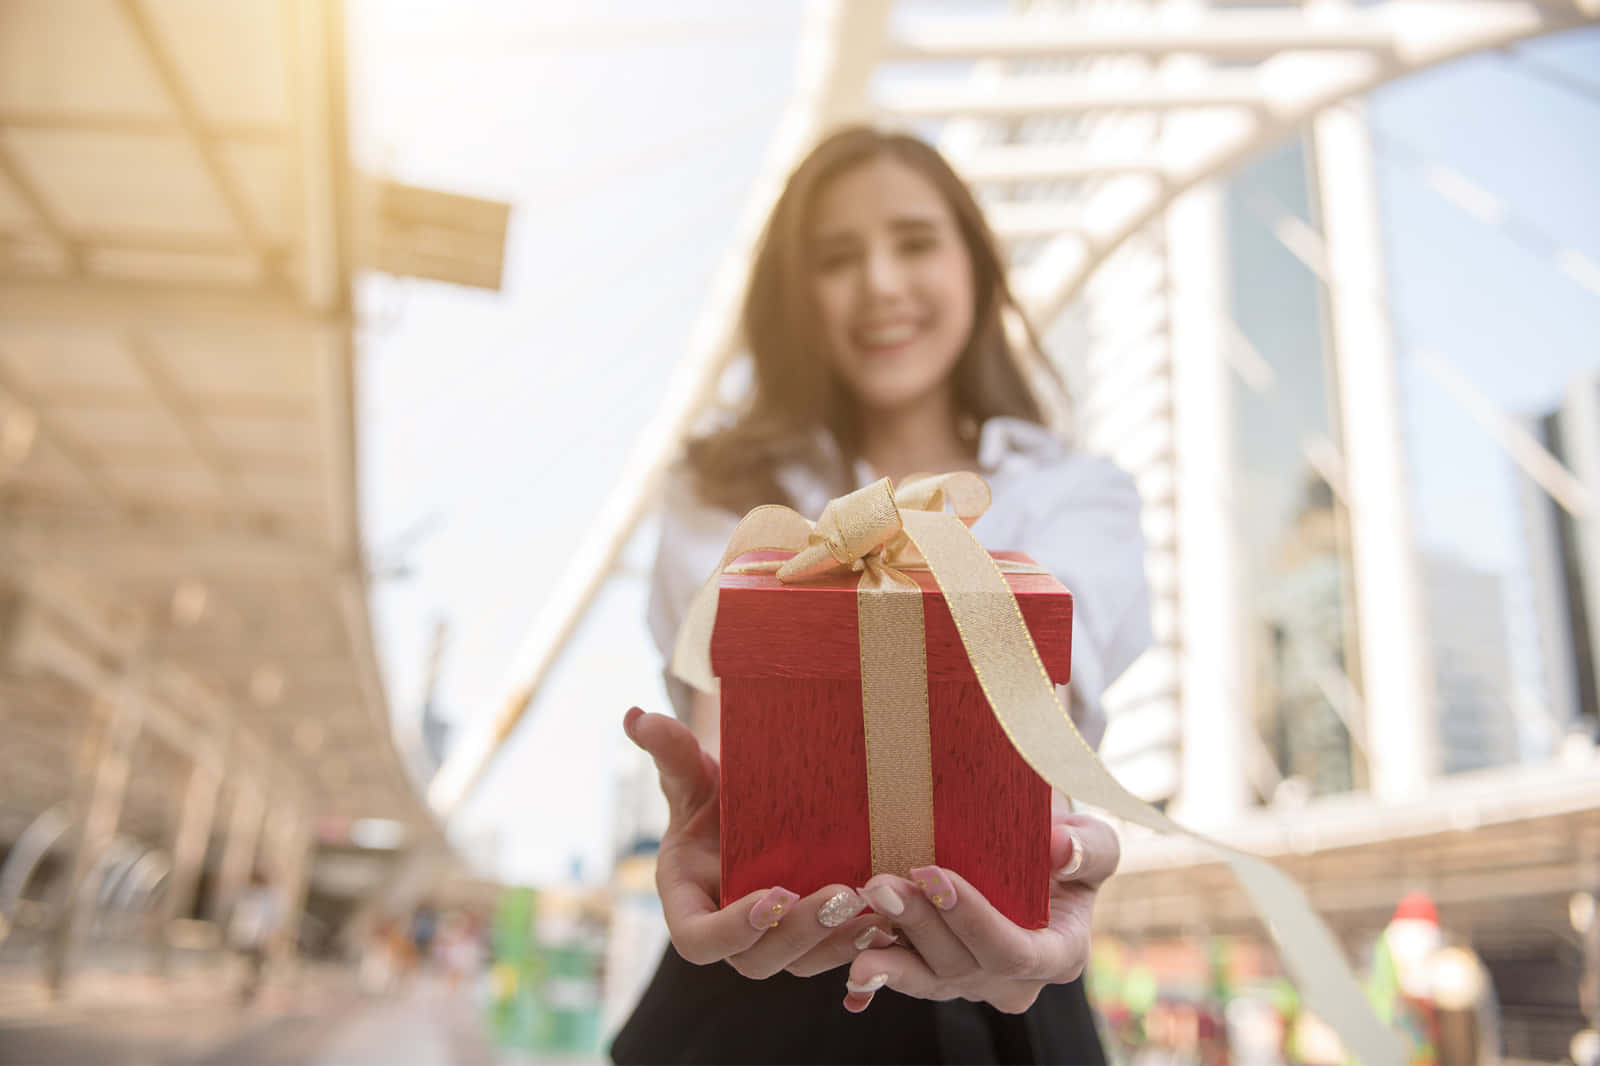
884, 899
1075, 860
874, 937
770, 908
869, 986
936, 885
840, 908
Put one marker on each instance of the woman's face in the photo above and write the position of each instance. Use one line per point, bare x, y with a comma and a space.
892, 281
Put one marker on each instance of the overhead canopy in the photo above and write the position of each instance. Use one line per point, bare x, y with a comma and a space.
177, 469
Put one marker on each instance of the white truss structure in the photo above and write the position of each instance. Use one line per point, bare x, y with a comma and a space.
1093, 132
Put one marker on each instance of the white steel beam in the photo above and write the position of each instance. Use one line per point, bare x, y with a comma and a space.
65, 442
1426, 35
1240, 35
12, 171
245, 814
1531, 457
315, 81
1013, 220
248, 650
1215, 786
1000, 164
183, 411
98, 793
162, 243
156, 543
188, 843
27, 302
40, 647
1396, 657
166, 71
144, 554
1039, 94
18, 118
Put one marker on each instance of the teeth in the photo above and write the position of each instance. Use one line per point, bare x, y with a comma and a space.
889, 335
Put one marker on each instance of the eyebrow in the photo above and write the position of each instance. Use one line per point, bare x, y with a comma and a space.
900, 224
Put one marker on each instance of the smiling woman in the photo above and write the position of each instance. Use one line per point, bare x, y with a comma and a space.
876, 280
874, 322
893, 288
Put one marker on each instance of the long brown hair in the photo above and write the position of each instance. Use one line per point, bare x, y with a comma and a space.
794, 388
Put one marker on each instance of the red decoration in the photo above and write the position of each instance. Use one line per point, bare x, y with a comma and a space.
794, 771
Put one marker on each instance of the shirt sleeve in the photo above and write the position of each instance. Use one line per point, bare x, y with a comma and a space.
693, 536
1087, 533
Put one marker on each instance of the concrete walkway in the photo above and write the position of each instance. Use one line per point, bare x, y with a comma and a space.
318, 1019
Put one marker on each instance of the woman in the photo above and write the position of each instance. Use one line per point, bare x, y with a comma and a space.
874, 320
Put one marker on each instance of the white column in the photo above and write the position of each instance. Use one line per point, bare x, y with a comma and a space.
102, 778
1396, 661
1580, 443
289, 870
190, 838
246, 813
1214, 789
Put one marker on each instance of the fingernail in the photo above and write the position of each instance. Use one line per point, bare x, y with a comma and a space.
1075, 860
871, 985
840, 908
770, 908
936, 885
870, 937
884, 899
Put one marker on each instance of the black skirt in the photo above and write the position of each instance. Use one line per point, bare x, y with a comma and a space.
710, 1014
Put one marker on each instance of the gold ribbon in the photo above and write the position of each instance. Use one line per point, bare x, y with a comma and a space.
880, 532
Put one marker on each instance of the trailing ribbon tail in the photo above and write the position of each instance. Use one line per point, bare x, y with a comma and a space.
1024, 703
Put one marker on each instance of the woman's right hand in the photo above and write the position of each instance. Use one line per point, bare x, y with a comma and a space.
766, 931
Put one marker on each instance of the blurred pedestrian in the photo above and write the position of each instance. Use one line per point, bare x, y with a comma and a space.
254, 923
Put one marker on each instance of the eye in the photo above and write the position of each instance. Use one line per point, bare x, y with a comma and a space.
829, 262
918, 244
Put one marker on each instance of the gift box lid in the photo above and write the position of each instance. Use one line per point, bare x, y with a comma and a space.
808, 630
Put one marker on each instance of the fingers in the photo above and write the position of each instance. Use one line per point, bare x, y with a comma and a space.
909, 975
820, 928
843, 946
688, 774
704, 935
876, 969
1083, 850
921, 921
1002, 949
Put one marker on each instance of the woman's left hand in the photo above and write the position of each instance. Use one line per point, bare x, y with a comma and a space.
967, 949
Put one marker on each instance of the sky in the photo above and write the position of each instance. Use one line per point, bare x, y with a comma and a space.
492, 424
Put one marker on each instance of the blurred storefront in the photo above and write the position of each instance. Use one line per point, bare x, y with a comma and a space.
188, 687
548, 969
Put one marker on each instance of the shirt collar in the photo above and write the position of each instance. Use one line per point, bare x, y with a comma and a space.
1001, 440
1004, 438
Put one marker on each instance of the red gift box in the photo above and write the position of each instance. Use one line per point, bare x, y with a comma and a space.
794, 771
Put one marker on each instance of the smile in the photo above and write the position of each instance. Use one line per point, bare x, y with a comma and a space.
884, 339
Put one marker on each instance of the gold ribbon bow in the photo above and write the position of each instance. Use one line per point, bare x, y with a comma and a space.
880, 531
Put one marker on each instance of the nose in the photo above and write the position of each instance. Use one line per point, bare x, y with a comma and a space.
884, 274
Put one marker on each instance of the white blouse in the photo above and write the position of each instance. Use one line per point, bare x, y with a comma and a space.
1077, 515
